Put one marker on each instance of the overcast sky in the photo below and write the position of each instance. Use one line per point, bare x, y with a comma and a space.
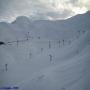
42, 9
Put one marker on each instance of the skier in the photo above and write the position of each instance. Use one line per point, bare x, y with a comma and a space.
41, 49
30, 55
59, 43
50, 58
63, 42
6, 65
49, 44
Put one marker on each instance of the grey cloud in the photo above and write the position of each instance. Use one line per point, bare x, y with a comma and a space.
56, 15
41, 9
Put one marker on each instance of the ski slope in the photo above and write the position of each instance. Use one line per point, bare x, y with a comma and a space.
46, 55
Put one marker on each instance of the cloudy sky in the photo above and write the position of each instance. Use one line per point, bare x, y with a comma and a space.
42, 9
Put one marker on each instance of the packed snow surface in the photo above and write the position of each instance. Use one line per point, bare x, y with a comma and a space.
46, 55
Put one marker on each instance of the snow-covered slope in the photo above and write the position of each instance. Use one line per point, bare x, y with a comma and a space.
46, 55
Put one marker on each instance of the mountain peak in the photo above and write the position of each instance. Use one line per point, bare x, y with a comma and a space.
21, 20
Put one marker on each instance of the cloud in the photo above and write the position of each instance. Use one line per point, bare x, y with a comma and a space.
42, 9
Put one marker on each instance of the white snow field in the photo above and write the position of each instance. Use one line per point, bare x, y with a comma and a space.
45, 55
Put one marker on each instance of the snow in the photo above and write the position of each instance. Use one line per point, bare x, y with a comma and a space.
38, 61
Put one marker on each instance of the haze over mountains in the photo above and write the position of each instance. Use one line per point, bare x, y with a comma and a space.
46, 55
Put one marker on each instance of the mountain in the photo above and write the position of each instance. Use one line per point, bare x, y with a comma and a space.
45, 55
55, 29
